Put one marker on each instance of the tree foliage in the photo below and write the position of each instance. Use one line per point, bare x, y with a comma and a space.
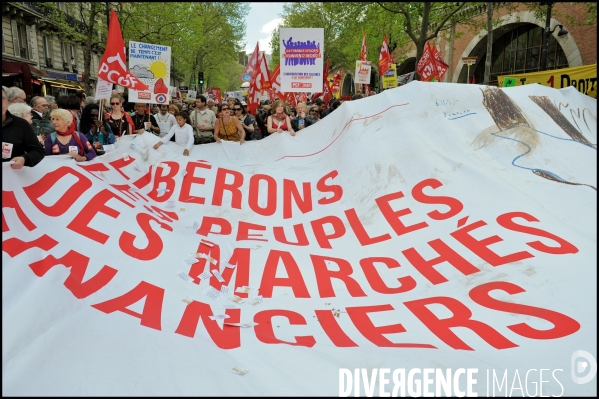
344, 25
202, 36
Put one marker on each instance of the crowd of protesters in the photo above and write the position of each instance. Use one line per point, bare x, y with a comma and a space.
80, 126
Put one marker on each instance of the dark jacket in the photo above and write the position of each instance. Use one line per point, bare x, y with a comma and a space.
308, 120
35, 115
19, 133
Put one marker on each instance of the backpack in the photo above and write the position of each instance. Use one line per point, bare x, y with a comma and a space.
42, 126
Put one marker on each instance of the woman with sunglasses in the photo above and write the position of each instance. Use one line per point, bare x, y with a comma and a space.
227, 127
314, 112
247, 121
120, 122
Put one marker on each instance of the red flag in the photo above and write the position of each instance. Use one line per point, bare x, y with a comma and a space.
426, 67
440, 64
112, 66
290, 99
259, 83
302, 98
363, 51
252, 66
275, 83
384, 58
336, 82
327, 93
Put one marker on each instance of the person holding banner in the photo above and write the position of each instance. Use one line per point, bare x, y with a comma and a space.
144, 122
303, 119
120, 122
19, 143
66, 139
165, 119
227, 127
278, 121
97, 132
183, 133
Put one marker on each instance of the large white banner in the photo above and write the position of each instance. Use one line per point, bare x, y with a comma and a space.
150, 63
302, 51
435, 238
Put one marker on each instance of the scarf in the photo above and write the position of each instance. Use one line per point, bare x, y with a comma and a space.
72, 131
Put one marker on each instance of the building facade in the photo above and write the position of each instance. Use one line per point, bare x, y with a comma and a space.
36, 57
517, 43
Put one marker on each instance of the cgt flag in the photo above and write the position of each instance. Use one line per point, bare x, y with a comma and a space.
426, 67
440, 63
112, 66
275, 85
385, 58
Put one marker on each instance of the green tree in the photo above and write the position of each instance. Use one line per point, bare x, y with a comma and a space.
82, 24
344, 25
202, 36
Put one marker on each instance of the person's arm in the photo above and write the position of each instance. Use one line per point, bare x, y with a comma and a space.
34, 152
212, 121
295, 123
216, 129
189, 145
269, 125
166, 138
290, 130
154, 128
88, 149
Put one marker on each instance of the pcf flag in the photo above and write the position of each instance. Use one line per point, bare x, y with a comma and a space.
112, 66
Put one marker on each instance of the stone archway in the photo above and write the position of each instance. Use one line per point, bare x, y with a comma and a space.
567, 43
347, 85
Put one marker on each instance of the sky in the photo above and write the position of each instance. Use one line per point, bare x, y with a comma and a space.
262, 19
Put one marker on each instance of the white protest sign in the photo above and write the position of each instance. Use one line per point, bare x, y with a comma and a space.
302, 52
362, 75
150, 63
103, 89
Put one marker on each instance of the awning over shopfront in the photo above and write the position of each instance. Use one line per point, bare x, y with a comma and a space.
62, 83
11, 69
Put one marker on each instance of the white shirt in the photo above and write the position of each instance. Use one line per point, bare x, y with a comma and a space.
183, 135
165, 122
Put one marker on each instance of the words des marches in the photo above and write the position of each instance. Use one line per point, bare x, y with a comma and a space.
325, 230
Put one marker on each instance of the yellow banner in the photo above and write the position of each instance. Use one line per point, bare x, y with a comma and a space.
583, 78
390, 78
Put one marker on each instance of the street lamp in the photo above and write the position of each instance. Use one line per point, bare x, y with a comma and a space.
547, 33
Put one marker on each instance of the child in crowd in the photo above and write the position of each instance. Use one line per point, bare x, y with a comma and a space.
182, 131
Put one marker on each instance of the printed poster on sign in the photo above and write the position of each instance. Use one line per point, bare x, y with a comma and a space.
150, 63
390, 78
302, 50
362, 72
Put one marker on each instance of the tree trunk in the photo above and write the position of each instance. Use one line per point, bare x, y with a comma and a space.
419, 51
87, 51
489, 43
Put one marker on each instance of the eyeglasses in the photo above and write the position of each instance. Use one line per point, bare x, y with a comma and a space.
312, 111
115, 103
236, 109
224, 109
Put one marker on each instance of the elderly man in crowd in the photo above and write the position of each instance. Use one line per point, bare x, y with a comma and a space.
16, 95
19, 144
38, 106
